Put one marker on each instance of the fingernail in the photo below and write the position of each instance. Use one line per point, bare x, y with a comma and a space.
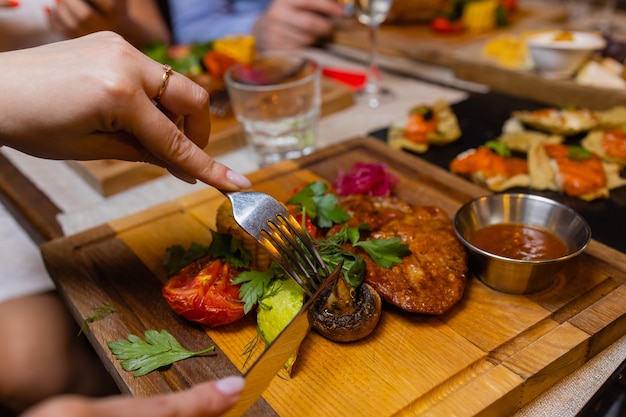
238, 179
231, 385
14, 3
47, 10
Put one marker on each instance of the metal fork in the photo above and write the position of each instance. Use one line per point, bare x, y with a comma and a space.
271, 224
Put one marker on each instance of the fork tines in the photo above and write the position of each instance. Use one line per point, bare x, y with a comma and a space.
294, 250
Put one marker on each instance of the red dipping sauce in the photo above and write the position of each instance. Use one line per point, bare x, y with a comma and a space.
517, 241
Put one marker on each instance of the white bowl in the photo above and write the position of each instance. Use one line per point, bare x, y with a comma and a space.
561, 58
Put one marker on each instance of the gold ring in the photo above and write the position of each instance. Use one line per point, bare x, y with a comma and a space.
167, 71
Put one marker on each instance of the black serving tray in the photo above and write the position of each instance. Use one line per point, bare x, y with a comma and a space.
481, 117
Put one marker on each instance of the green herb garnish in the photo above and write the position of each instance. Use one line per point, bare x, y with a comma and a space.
99, 313
500, 148
578, 153
188, 61
253, 284
425, 111
144, 356
177, 257
323, 209
384, 252
222, 246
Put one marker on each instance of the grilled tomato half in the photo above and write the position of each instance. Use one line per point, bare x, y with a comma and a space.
203, 292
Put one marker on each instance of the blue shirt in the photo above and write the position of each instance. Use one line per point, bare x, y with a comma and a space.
204, 20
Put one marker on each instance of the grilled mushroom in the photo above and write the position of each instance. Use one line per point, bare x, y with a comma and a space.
345, 313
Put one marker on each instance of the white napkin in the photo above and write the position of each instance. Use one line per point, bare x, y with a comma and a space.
23, 271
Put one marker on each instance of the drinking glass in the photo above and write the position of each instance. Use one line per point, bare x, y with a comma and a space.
372, 13
277, 99
604, 18
594, 15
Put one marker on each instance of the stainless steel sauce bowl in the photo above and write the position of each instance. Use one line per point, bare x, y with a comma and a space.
516, 276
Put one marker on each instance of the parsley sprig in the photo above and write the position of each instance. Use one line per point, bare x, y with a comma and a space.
253, 285
222, 246
98, 314
157, 350
322, 208
384, 252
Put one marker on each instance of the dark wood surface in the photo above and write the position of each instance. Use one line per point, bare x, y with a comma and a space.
30, 206
505, 359
105, 272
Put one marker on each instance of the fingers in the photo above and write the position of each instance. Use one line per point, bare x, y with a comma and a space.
79, 17
182, 153
72, 17
290, 24
191, 101
209, 399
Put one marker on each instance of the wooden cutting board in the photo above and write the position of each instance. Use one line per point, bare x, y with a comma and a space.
487, 356
111, 176
418, 42
471, 65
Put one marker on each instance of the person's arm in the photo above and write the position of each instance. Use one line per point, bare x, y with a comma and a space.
138, 21
209, 399
92, 98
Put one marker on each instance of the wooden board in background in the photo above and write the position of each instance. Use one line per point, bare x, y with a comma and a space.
463, 54
418, 42
110, 176
529, 85
487, 356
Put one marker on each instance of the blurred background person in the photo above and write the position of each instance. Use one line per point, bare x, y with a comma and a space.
27, 23
277, 24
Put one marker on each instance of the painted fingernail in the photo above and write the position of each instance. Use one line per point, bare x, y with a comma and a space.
238, 179
14, 3
231, 385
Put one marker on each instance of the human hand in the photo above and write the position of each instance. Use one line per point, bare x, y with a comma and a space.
74, 18
138, 21
291, 24
91, 98
209, 399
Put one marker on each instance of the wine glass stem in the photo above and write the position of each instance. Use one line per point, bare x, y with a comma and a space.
374, 78
605, 19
